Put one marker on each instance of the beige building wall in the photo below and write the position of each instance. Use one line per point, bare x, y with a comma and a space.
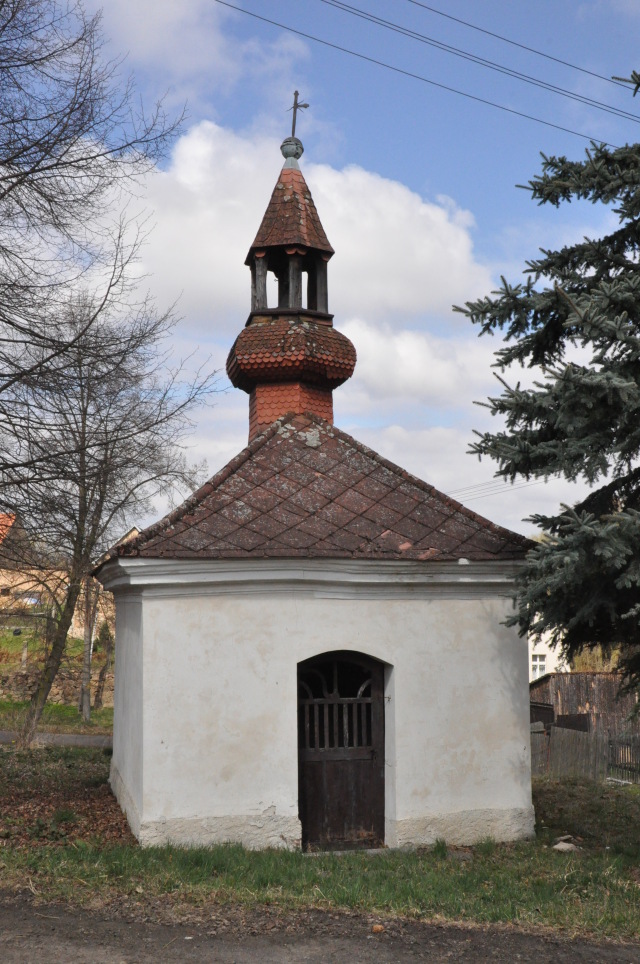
544, 659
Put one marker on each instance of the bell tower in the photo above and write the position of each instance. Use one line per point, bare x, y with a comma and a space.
289, 357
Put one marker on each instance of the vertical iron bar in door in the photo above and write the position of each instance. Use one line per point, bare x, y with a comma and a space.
316, 743
325, 741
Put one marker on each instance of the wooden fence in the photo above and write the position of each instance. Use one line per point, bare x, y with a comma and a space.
624, 759
559, 752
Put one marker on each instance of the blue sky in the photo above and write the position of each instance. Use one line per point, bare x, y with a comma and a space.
415, 185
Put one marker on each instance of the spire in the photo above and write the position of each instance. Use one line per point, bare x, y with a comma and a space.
289, 358
291, 218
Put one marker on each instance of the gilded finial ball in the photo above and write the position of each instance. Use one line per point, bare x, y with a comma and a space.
292, 147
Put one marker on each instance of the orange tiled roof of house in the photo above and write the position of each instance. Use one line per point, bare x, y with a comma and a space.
304, 489
291, 217
7, 520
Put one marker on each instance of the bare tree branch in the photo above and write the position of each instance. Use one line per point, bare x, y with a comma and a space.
110, 425
71, 138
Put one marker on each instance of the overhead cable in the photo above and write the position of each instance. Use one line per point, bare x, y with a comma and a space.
410, 74
515, 43
485, 490
476, 59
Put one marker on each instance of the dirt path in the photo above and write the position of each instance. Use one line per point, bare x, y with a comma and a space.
53, 934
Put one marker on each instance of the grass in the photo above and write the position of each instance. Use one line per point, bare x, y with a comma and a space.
50, 770
521, 884
56, 718
603, 816
11, 646
64, 854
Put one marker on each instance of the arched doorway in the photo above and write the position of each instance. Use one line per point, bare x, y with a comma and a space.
341, 751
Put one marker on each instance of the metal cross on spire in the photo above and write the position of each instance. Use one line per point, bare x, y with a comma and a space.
296, 107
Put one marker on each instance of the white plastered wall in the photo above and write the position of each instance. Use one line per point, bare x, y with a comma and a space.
219, 741
128, 703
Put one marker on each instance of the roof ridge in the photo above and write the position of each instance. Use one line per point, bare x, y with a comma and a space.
194, 500
426, 486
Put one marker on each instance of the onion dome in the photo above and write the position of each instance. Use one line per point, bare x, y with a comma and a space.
291, 349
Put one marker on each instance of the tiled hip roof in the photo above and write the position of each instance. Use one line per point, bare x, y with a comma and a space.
304, 489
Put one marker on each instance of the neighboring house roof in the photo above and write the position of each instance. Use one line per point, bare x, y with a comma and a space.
7, 520
305, 489
14, 543
291, 217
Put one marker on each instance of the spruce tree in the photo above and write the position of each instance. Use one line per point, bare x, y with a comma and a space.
576, 321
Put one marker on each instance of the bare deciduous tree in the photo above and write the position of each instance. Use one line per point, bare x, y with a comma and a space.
105, 638
90, 593
71, 138
109, 422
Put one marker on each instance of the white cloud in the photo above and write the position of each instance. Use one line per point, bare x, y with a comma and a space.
188, 49
419, 367
627, 8
398, 256
183, 36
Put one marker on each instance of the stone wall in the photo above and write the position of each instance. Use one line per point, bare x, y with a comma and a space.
19, 685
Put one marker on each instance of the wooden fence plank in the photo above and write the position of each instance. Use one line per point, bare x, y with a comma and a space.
559, 752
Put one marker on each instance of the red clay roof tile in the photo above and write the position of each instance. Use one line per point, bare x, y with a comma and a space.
6, 521
291, 217
288, 349
304, 489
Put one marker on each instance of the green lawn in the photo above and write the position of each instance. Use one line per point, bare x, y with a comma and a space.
73, 846
56, 718
11, 646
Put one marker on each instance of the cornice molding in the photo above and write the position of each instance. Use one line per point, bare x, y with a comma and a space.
331, 578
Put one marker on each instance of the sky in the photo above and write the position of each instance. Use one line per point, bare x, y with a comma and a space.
416, 186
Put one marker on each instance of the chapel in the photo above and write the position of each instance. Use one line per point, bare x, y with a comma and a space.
312, 650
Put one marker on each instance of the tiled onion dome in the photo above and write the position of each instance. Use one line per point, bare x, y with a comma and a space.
290, 350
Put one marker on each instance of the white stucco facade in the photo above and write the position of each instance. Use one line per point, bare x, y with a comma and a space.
205, 731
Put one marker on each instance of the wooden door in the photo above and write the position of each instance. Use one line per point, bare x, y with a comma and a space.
341, 752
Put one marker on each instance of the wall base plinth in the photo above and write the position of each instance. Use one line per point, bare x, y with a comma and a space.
462, 828
254, 831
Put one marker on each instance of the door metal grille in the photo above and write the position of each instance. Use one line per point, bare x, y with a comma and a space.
341, 751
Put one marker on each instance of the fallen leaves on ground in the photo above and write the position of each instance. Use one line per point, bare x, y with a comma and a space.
51, 810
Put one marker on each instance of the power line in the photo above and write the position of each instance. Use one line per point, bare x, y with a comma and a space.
485, 490
476, 59
497, 484
514, 43
410, 74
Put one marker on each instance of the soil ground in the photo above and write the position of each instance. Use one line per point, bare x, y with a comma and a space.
55, 933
